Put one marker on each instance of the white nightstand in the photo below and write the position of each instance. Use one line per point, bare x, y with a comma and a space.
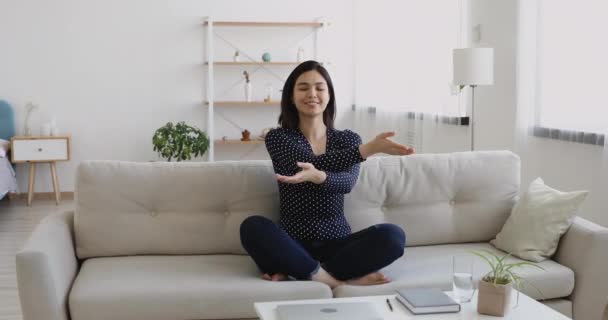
35, 149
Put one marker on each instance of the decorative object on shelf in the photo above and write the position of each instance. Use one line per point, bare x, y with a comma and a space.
473, 67
264, 133
180, 141
494, 297
45, 129
248, 87
225, 138
266, 61
269, 91
246, 135
54, 129
300, 54
29, 108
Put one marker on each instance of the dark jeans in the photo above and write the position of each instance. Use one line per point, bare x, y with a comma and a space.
353, 256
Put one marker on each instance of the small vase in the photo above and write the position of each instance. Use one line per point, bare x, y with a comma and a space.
45, 130
246, 135
300, 54
494, 300
248, 91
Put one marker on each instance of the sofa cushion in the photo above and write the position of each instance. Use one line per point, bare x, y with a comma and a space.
178, 287
538, 220
431, 266
462, 197
129, 208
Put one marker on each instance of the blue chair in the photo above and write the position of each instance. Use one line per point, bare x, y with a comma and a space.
7, 121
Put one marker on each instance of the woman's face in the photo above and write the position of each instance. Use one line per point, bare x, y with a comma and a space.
311, 94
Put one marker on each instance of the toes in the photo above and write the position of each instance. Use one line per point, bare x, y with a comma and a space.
274, 277
279, 277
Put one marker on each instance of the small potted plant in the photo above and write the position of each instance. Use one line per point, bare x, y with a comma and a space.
495, 287
180, 141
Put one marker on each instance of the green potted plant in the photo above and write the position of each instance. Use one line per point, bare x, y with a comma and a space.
179, 141
495, 287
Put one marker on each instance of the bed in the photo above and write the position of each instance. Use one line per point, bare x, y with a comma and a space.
8, 180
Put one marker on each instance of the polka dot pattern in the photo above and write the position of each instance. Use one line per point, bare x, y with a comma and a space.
312, 211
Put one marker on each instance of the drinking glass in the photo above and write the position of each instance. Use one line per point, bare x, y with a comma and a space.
462, 278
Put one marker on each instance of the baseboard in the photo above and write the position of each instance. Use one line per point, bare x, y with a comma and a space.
41, 196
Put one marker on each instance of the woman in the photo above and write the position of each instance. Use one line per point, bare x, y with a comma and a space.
315, 166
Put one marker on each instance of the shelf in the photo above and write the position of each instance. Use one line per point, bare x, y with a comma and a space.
244, 103
254, 141
265, 24
252, 63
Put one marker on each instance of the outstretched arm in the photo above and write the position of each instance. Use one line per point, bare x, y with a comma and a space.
287, 153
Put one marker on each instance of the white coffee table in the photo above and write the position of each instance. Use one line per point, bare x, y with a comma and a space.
527, 309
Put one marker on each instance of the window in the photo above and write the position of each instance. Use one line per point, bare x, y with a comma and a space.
572, 66
403, 54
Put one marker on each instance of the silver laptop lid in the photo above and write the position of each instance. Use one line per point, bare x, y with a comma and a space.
329, 311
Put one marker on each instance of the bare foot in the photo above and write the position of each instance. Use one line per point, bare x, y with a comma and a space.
274, 277
371, 279
325, 277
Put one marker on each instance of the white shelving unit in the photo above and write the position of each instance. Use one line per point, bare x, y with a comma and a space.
211, 63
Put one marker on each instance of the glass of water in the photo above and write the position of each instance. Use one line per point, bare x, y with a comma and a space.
462, 281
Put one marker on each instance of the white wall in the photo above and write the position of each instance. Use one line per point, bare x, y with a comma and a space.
112, 72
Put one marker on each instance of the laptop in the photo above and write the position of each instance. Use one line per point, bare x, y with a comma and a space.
329, 311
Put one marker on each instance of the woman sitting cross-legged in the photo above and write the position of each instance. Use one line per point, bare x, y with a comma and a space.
315, 166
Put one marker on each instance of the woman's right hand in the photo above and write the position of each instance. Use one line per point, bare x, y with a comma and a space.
382, 144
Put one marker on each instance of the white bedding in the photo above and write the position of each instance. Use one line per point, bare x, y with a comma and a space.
8, 182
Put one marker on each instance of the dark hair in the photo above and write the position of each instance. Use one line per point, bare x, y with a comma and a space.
289, 117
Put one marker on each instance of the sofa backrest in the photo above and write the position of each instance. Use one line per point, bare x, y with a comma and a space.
130, 208
437, 198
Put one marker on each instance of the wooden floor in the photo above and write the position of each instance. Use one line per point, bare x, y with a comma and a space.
16, 223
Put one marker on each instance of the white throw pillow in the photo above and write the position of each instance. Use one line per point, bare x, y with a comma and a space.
537, 221
4, 146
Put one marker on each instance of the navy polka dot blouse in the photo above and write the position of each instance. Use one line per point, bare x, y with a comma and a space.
312, 211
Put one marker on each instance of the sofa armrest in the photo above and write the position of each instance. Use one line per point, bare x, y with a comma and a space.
584, 249
46, 268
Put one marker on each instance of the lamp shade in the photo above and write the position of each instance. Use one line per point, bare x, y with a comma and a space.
473, 66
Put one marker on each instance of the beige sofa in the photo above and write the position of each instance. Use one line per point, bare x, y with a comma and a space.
161, 241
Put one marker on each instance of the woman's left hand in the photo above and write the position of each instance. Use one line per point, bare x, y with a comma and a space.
308, 173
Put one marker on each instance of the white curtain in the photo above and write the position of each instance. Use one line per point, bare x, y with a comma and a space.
565, 159
427, 133
369, 121
403, 54
403, 70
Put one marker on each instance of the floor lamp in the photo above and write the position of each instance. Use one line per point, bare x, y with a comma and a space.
473, 67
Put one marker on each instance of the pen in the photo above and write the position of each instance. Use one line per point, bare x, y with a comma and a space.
389, 305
